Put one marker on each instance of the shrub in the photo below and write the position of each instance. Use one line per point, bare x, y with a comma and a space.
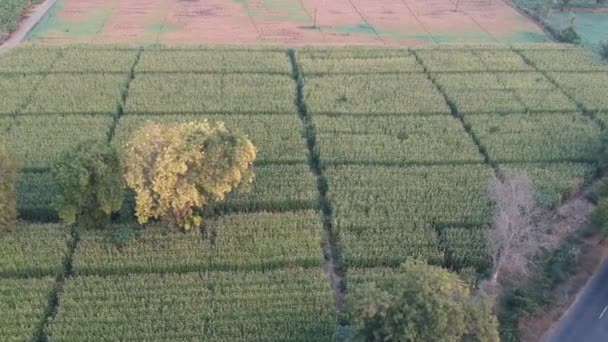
178, 169
8, 177
89, 184
568, 35
426, 303
604, 50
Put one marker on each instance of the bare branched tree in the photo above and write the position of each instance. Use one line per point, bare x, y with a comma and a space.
515, 236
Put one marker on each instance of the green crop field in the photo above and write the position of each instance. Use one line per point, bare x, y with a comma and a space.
387, 151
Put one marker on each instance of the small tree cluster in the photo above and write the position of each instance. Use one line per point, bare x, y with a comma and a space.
8, 178
175, 170
425, 303
89, 184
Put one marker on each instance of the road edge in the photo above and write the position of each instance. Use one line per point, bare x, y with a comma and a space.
582, 291
25, 26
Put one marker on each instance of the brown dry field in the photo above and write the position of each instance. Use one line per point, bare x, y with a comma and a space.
285, 22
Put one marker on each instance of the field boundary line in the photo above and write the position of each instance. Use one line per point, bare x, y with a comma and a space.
312, 19
426, 30
246, 6
582, 109
367, 22
53, 300
120, 109
476, 23
456, 113
27, 25
333, 261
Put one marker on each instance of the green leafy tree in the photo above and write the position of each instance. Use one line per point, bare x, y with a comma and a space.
425, 303
90, 185
178, 169
9, 171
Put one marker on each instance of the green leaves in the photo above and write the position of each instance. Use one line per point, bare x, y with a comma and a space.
420, 303
89, 184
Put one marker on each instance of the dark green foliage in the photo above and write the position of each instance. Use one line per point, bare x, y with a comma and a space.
568, 35
604, 50
555, 267
122, 236
89, 182
428, 303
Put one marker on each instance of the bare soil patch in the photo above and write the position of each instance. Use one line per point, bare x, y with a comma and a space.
286, 22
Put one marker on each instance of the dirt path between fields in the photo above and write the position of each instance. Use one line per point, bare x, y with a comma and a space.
31, 18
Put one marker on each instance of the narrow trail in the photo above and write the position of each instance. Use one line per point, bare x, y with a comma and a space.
331, 249
454, 111
122, 102
40, 335
581, 107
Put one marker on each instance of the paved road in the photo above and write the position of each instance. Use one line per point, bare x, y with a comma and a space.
587, 319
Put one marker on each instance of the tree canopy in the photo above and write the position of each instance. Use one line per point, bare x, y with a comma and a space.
89, 182
177, 169
424, 303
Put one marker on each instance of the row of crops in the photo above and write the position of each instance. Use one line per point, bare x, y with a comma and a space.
408, 140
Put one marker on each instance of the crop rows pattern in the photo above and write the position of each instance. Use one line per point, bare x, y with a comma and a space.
407, 140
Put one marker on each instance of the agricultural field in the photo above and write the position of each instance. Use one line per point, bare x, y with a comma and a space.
284, 22
405, 141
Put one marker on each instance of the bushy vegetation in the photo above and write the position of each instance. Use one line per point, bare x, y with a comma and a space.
425, 303
177, 170
89, 184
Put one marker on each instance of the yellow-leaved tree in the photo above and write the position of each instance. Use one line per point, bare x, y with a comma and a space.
177, 169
